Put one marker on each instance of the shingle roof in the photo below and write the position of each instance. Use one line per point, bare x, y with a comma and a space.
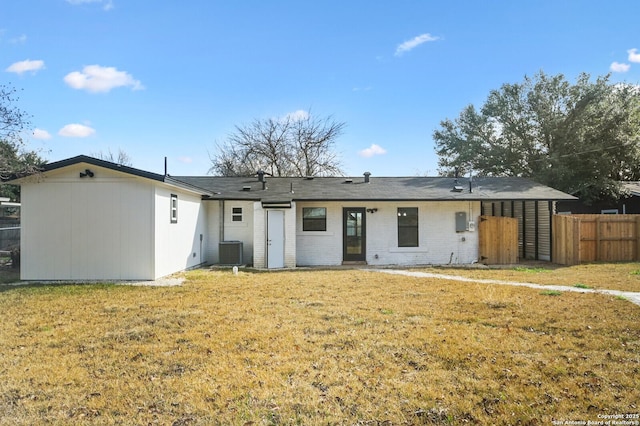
281, 189
378, 189
633, 187
124, 169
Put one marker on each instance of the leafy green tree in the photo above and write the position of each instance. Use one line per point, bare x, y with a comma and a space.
580, 138
15, 159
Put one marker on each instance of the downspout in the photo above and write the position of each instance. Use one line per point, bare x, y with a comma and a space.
221, 231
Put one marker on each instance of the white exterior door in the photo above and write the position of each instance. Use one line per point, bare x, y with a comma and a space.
275, 239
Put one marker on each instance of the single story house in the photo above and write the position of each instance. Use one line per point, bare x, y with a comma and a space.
629, 203
90, 219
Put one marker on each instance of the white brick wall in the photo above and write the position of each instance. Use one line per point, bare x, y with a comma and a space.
213, 230
438, 241
320, 247
290, 253
260, 234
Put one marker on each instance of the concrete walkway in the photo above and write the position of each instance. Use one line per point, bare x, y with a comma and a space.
170, 281
633, 297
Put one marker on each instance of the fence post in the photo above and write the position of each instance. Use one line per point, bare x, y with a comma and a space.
637, 238
598, 239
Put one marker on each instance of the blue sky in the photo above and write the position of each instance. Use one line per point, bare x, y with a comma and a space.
172, 78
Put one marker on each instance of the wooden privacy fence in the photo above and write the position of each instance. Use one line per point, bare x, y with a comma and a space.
498, 240
595, 238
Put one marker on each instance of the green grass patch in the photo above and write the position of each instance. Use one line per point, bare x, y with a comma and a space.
580, 285
551, 293
531, 270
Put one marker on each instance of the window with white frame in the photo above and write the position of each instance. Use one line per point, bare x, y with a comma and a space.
407, 227
174, 208
236, 214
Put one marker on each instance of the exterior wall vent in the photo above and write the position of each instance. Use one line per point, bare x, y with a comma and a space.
230, 252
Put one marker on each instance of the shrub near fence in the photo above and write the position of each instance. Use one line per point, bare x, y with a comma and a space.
596, 238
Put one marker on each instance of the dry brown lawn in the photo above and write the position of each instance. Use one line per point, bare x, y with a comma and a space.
314, 347
610, 276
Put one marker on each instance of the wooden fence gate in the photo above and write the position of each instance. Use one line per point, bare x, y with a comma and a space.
498, 240
596, 238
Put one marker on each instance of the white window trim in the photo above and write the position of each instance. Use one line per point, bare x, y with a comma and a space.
235, 215
173, 208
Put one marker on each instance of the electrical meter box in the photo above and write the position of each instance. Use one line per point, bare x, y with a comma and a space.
461, 221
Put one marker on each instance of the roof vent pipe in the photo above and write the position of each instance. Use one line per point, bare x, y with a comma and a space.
366, 177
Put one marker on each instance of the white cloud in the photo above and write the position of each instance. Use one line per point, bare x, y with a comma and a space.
374, 149
414, 42
634, 56
98, 79
618, 67
76, 131
41, 134
107, 4
25, 66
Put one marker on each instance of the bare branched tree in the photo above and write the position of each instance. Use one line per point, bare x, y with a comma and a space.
121, 157
296, 145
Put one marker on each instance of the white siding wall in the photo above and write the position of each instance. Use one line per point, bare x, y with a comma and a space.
178, 245
87, 229
212, 209
438, 241
233, 231
240, 231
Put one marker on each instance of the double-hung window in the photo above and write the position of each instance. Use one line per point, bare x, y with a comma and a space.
407, 227
314, 219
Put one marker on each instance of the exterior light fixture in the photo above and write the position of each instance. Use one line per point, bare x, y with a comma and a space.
86, 173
